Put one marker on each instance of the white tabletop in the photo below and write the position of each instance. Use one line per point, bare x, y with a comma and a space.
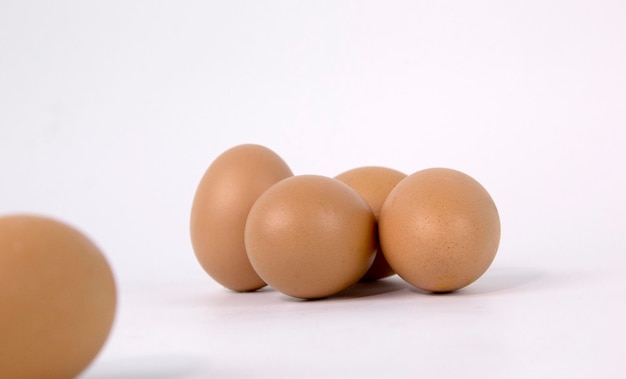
518, 322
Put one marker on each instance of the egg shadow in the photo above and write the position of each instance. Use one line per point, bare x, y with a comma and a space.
496, 280
360, 290
147, 367
371, 288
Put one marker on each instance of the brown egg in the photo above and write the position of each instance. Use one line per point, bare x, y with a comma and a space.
439, 229
374, 184
57, 299
310, 236
223, 199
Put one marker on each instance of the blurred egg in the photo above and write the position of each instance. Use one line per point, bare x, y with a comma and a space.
57, 299
439, 229
374, 184
310, 236
221, 204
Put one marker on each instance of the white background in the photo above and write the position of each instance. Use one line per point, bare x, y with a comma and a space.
111, 111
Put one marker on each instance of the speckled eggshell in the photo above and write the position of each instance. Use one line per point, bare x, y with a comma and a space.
57, 299
229, 187
439, 229
374, 184
311, 236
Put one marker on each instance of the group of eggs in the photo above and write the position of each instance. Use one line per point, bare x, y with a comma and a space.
253, 223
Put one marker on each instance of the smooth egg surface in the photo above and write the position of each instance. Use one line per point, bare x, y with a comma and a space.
57, 299
439, 229
224, 196
311, 236
374, 184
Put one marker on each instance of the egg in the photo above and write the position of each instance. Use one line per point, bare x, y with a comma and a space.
229, 187
373, 184
310, 236
439, 229
57, 299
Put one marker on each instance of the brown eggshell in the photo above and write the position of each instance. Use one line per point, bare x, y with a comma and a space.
439, 229
220, 207
310, 236
57, 299
374, 184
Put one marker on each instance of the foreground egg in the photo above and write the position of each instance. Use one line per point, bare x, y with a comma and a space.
221, 204
374, 184
57, 299
310, 236
439, 229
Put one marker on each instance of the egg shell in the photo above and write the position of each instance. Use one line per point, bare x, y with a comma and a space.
439, 229
311, 236
57, 299
373, 183
220, 207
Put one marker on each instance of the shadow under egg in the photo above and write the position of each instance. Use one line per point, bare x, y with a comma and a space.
495, 280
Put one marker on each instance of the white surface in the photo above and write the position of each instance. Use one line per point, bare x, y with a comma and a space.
520, 322
110, 113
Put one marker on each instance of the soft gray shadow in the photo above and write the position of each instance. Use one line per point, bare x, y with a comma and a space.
147, 367
224, 297
260, 290
495, 280
361, 290
369, 289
